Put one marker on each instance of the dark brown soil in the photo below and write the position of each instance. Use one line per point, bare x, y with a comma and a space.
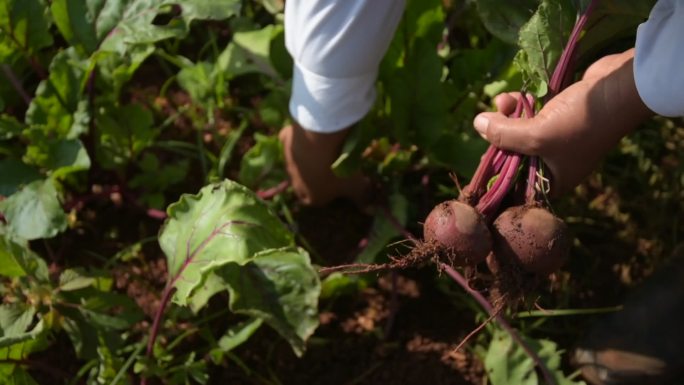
351, 347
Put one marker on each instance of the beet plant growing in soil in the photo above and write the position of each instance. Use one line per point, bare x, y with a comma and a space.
111, 110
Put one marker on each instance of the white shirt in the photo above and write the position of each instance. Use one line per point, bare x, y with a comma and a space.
659, 59
337, 46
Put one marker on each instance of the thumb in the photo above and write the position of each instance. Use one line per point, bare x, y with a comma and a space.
507, 133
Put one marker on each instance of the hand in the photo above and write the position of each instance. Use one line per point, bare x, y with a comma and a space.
309, 157
575, 129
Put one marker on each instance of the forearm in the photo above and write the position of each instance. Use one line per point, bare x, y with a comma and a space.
614, 99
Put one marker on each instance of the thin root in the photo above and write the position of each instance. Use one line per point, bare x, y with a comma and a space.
355, 268
481, 326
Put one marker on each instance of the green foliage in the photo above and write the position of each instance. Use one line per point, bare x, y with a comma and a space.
35, 211
24, 27
541, 42
226, 232
224, 223
507, 363
17, 260
156, 178
59, 107
9, 127
37, 306
613, 21
124, 132
383, 230
412, 72
130, 23
235, 336
280, 287
263, 164
15, 174
505, 19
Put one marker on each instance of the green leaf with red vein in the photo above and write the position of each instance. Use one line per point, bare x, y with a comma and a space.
225, 222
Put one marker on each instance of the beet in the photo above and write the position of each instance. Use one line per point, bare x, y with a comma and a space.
460, 233
532, 237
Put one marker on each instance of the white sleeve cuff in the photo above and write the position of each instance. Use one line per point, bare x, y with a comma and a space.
326, 105
658, 59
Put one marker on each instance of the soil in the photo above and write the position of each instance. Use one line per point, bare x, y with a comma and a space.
357, 343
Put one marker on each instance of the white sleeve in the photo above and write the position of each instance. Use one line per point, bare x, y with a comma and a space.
337, 46
659, 59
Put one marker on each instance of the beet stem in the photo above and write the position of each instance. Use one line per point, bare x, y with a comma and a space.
478, 184
533, 165
527, 101
491, 201
499, 160
456, 276
563, 66
491, 163
532, 174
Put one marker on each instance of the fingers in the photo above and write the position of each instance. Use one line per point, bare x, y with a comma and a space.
506, 102
508, 133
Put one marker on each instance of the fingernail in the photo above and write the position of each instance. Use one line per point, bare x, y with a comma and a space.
481, 124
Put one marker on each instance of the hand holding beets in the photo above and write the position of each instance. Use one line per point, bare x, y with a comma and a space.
575, 129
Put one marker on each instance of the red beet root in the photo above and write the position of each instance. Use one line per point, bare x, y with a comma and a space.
532, 237
460, 233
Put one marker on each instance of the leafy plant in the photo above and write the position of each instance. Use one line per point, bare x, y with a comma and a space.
225, 238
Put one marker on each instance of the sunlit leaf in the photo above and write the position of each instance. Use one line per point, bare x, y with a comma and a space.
15, 322
24, 26
507, 363
74, 279
224, 223
131, 22
35, 211
17, 260
199, 81
248, 52
273, 6
236, 335
542, 40
60, 106
261, 161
